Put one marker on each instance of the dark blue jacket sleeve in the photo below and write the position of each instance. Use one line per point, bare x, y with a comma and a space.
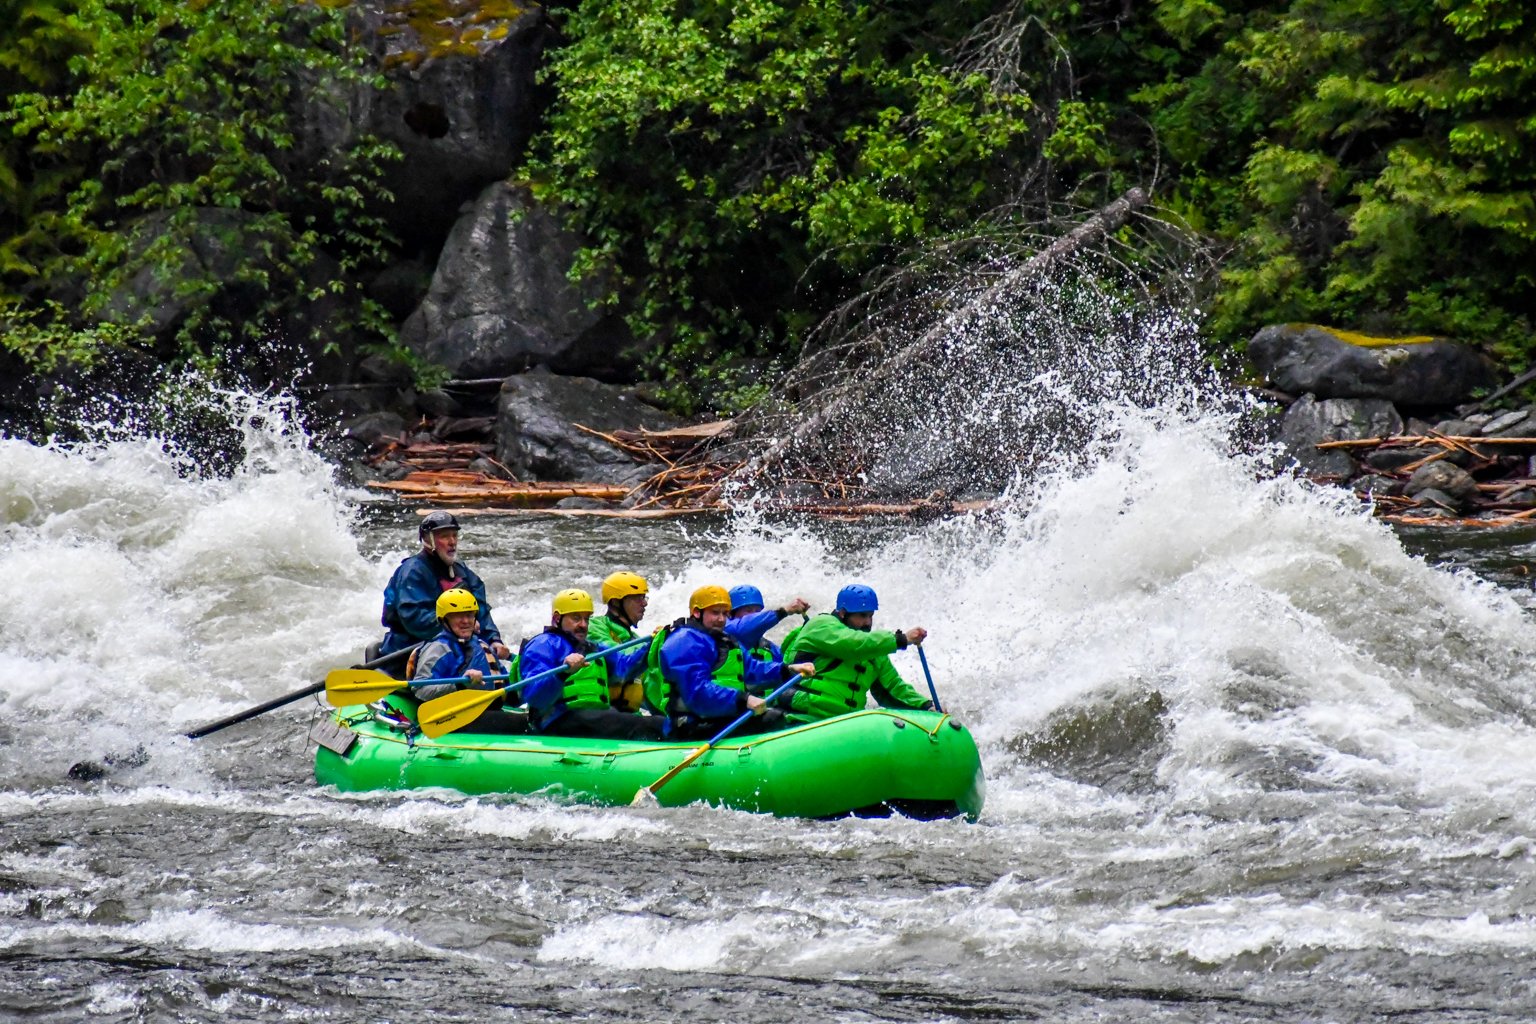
750, 629
686, 660
544, 652
475, 585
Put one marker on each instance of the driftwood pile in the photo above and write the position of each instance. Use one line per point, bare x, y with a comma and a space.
687, 482
440, 472
1504, 492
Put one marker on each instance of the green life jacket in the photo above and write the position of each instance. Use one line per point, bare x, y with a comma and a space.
607, 631
837, 688
587, 687
729, 671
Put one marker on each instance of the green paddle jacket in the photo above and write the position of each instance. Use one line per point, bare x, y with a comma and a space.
850, 665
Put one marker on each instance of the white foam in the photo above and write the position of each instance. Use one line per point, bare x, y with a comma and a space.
208, 930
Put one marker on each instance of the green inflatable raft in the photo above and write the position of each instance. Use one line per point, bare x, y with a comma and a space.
919, 763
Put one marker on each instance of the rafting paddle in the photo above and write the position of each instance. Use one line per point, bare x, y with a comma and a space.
647, 796
929, 676
86, 771
347, 686
278, 702
456, 710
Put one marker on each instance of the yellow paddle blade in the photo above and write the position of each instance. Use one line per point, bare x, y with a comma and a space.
347, 686
445, 714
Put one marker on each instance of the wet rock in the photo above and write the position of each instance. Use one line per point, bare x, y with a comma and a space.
1339, 364
1515, 423
1374, 484
1431, 510
536, 436
1443, 478
577, 501
1430, 498
1309, 422
401, 286
382, 369
500, 301
374, 428
1456, 428
385, 470
1390, 459
487, 468
459, 99
437, 402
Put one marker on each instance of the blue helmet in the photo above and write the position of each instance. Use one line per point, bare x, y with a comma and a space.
856, 597
744, 595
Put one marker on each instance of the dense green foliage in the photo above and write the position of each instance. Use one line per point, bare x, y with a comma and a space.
739, 169
1361, 162
1376, 162
731, 164
156, 187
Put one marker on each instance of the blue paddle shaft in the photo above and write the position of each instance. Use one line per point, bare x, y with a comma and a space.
594, 656
456, 679
929, 676
723, 733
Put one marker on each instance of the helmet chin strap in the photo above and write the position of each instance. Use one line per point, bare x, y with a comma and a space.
616, 611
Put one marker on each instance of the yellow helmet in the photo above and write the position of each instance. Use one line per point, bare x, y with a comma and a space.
571, 602
622, 584
708, 597
456, 600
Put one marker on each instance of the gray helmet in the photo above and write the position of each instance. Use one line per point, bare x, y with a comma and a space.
437, 521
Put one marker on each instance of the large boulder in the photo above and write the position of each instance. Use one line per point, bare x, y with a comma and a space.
500, 301
460, 100
536, 436
1420, 372
1309, 422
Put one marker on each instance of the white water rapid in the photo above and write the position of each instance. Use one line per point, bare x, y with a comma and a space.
1249, 757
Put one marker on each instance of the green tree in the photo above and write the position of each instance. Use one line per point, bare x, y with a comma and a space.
1373, 161
734, 165
178, 180
37, 41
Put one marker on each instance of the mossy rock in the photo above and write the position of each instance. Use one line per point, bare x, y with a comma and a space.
1416, 372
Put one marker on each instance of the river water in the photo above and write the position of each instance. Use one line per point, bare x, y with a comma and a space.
1250, 756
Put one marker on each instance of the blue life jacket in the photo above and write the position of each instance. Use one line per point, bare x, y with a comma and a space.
462, 656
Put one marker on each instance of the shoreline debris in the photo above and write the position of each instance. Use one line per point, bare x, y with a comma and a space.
1499, 482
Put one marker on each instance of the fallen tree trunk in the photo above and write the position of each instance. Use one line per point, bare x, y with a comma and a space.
452, 487
1106, 220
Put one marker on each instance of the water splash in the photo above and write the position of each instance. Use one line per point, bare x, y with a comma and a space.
143, 587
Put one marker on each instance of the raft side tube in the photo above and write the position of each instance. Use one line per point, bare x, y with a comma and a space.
871, 761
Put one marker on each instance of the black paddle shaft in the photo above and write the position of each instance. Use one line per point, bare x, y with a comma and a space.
277, 702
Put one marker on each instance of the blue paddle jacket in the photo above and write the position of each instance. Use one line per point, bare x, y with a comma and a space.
749, 631
689, 658
446, 655
549, 649
410, 601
